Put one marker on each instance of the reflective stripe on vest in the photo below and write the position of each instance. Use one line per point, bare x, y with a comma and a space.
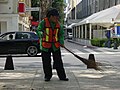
56, 34
50, 35
47, 32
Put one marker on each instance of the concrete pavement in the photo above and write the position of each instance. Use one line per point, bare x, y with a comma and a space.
79, 79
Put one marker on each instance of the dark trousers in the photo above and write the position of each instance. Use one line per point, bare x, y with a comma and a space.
58, 64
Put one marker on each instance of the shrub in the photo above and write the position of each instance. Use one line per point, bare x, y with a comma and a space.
98, 42
103, 42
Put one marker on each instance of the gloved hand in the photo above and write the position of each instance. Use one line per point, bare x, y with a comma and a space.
62, 45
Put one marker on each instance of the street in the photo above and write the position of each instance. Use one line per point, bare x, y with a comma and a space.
87, 79
103, 55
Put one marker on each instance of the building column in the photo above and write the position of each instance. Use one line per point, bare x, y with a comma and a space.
15, 23
75, 32
85, 31
0, 27
81, 31
3, 27
90, 27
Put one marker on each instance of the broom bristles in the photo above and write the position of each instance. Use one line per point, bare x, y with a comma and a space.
89, 62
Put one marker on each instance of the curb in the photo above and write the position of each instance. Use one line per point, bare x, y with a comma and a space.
81, 44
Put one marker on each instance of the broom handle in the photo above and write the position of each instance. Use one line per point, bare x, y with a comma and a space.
80, 58
85, 61
68, 50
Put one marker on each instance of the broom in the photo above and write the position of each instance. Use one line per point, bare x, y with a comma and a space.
90, 62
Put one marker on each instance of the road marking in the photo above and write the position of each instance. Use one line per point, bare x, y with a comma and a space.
76, 51
108, 52
92, 51
64, 52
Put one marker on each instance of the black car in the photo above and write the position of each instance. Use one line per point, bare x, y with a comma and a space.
19, 43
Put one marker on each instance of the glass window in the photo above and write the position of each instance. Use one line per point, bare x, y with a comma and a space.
8, 36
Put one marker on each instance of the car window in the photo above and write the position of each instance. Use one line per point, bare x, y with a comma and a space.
33, 35
22, 35
26, 36
9, 36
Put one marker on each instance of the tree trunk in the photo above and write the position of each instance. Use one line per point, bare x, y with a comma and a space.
44, 4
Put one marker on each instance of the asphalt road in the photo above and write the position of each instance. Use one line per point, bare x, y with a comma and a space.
107, 56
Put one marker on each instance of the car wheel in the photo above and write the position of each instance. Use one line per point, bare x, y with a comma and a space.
32, 51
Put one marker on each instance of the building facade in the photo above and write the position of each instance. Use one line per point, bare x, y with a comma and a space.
88, 7
24, 17
71, 16
10, 19
8, 15
84, 30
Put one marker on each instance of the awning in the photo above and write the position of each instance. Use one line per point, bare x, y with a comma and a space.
70, 26
104, 18
88, 19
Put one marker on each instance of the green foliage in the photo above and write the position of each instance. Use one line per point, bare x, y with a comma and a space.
35, 3
101, 42
98, 42
59, 4
35, 14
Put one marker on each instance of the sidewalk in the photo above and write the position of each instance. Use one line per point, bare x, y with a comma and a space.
79, 79
89, 46
76, 42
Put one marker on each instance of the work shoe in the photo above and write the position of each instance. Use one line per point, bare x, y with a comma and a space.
47, 79
64, 79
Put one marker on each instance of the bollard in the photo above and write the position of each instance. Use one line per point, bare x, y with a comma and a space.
91, 60
9, 63
91, 57
115, 43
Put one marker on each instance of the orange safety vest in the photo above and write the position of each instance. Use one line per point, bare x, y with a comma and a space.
50, 35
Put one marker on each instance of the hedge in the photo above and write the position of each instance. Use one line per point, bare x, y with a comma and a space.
101, 42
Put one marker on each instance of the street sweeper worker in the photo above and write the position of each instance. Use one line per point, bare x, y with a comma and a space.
51, 35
